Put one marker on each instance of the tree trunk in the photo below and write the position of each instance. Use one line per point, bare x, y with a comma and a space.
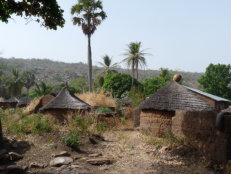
89, 64
137, 71
133, 72
27, 91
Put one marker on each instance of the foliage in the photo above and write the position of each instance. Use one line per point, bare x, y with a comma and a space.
107, 65
88, 14
14, 84
151, 85
72, 139
49, 12
119, 108
216, 80
119, 84
101, 127
103, 110
135, 58
41, 89
28, 80
79, 84
41, 126
137, 96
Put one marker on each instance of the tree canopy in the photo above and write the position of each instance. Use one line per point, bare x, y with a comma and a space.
48, 12
216, 80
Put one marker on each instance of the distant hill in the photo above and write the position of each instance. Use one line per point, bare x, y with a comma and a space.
56, 72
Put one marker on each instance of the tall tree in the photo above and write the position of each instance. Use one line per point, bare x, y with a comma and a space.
107, 65
135, 58
28, 79
15, 83
216, 80
88, 14
41, 89
48, 12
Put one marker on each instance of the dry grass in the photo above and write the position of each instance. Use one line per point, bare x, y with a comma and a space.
1, 99
97, 99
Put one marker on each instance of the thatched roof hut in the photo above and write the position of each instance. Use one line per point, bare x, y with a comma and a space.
10, 103
65, 100
23, 102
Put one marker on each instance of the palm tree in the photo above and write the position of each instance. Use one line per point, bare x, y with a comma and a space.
42, 89
89, 14
15, 84
107, 65
28, 79
134, 58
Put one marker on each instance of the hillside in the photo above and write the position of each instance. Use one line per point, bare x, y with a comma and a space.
56, 72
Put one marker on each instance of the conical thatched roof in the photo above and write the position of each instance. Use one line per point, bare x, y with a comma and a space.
174, 97
23, 101
64, 100
12, 100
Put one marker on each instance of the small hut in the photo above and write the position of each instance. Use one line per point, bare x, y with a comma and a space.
23, 102
64, 103
158, 110
10, 103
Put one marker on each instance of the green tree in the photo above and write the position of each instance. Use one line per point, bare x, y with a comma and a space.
151, 85
119, 84
107, 65
41, 89
28, 79
79, 84
216, 80
15, 83
48, 12
135, 58
88, 14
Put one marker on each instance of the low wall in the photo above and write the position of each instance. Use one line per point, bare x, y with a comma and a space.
156, 122
201, 126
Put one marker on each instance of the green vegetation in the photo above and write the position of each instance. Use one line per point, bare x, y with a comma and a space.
104, 110
72, 139
151, 85
79, 84
137, 96
88, 14
107, 65
216, 80
47, 12
41, 89
119, 84
134, 58
28, 79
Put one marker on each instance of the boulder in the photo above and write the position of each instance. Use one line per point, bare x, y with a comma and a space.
63, 153
15, 156
14, 169
59, 161
99, 161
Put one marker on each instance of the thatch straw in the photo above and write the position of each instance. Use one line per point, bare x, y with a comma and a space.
1, 99
97, 99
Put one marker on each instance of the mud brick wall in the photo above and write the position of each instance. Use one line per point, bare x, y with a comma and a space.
156, 122
201, 125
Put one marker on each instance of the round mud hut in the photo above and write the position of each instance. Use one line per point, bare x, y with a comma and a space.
65, 105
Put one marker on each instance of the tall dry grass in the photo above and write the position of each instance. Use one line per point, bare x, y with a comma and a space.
1, 99
97, 99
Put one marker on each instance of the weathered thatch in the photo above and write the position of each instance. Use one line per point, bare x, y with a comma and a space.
36, 104
24, 101
12, 100
66, 101
174, 97
10, 103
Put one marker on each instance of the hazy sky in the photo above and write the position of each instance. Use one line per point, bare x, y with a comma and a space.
180, 34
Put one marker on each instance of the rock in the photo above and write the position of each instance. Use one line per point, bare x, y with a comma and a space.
95, 155
36, 165
2, 168
15, 156
76, 166
63, 153
99, 161
59, 161
4, 158
13, 169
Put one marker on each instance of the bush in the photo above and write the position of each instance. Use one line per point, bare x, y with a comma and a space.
40, 126
104, 110
101, 127
72, 139
119, 84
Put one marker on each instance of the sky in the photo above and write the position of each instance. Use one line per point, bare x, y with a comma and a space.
184, 35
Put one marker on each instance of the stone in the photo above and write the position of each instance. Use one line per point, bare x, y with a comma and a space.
14, 169
3, 152
36, 165
76, 166
15, 156
63, 153
95, 155
99, 161
4, 158
2, 168
59, 161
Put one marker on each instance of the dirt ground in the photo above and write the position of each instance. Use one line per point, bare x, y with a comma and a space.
128, 151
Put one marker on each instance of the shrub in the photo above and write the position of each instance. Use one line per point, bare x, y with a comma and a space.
40, 126
72, 139
103, 110
101, 127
